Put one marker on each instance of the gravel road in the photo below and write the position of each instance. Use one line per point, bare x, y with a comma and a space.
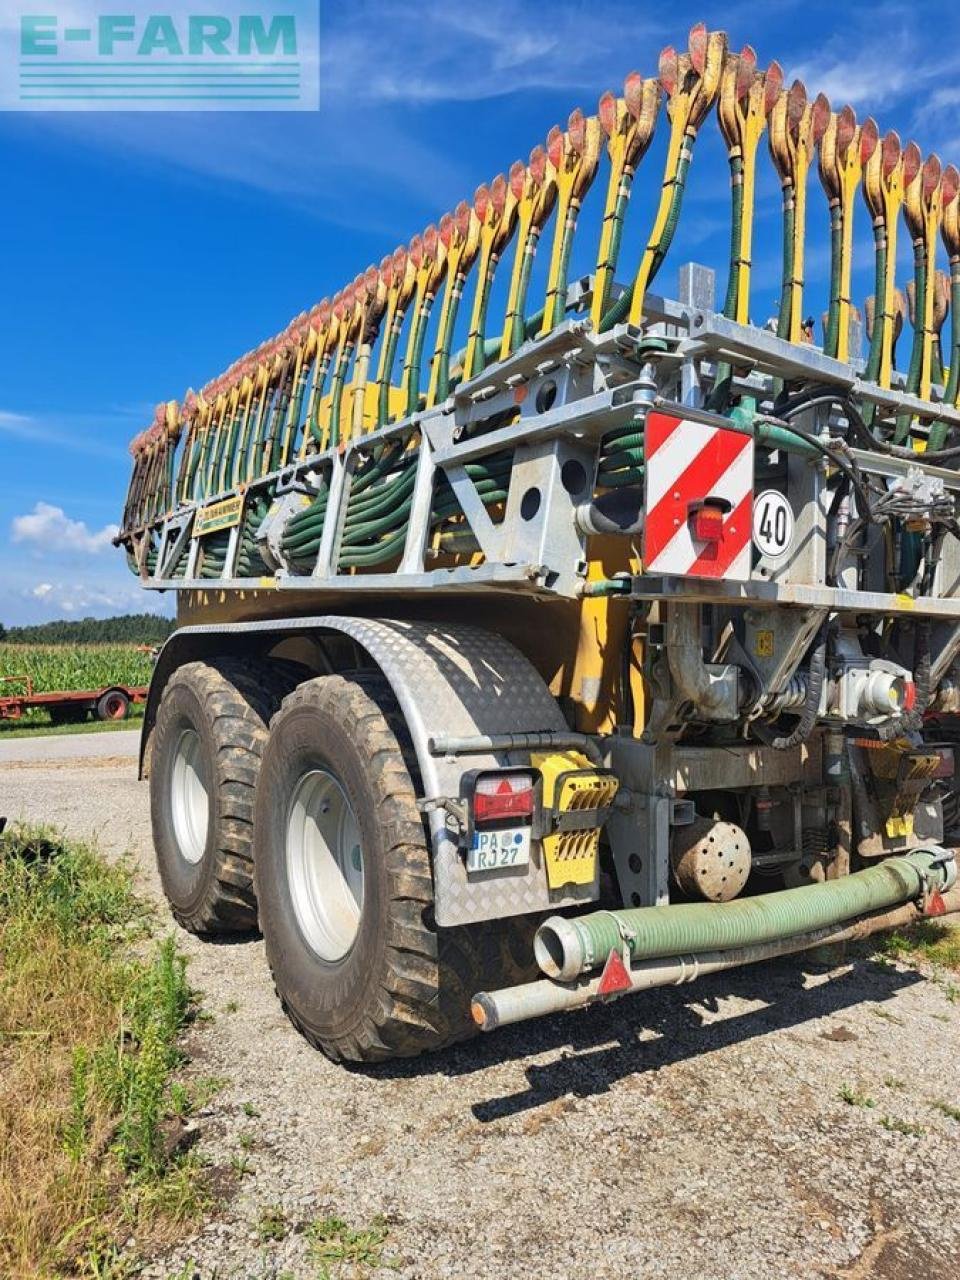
690, 1133
43, 749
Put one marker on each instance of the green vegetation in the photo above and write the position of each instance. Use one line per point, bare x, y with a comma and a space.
90, 1015
855, 1097
337, 1249
272, 1224
949, 1110
35, 725
906, 1127
928, 940
53, 667
128, 628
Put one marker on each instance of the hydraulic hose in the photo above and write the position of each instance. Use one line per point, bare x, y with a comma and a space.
819, 395
620, 309
831, 338
788, 284
912, 720
566, 947
811, 702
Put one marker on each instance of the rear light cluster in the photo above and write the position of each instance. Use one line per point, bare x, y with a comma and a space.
502, 797
705, 518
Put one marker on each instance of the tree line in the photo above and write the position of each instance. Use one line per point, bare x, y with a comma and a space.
128, 628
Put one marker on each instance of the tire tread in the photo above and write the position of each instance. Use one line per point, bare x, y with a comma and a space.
238, 697
423, 999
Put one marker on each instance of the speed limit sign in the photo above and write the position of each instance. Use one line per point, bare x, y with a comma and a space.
772, 524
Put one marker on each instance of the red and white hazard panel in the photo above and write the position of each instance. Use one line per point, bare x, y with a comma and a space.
698, 499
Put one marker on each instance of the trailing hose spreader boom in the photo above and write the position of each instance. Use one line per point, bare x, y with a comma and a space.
518, 583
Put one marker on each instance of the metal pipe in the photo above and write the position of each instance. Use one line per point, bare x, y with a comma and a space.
565, 947
493, 1009
695, 682
480, 744
618, 512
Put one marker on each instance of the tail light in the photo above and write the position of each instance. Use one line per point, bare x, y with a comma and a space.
503, 797
705, 518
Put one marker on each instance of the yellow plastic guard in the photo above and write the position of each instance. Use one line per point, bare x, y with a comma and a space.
571, 783
899, 825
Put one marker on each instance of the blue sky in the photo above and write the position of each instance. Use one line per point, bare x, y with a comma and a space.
142, 252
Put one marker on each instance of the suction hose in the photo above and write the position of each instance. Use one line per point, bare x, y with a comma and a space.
565, 948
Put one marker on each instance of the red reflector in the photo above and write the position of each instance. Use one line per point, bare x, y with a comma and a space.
909, 695
614, 977
498, 796
945, 769
935, 905
706, 524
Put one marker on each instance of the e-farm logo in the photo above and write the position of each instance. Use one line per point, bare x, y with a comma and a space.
94, 55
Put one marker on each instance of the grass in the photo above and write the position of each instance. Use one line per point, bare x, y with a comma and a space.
949, 1110
339, 1250
272, 1224
37, 725
855, 1097
928, 940
906, 1127
241, 1165
91, 1009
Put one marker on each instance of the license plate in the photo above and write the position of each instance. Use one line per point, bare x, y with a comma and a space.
496, 850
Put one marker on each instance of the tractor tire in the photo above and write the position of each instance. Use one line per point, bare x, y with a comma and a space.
206, 746
345, 886
113, 705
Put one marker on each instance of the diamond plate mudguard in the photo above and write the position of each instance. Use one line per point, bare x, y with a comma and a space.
449, 680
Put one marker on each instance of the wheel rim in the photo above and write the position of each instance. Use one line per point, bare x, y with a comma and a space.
325, 864
116, 708
189, 797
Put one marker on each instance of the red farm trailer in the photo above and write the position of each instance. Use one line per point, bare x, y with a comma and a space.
110, 702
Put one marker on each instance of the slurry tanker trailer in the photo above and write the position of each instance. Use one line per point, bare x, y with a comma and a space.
545, 638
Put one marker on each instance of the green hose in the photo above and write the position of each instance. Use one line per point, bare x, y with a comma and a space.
688, 928
620, 310
788, 283
446, 339
515, 323
938, 431
557, 298
831, 338
336, 394
312, 424
480, 355
389, 357
719, 399
616, 232
912, 385
416, 353
880, 319
736, 231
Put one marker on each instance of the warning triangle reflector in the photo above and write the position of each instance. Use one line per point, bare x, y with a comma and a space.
935, 905
614, 977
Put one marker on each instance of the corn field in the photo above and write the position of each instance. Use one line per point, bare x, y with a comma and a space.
90, 666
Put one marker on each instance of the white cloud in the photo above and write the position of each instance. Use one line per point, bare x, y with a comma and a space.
78, 432
91, 598
49, 528
376, 53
